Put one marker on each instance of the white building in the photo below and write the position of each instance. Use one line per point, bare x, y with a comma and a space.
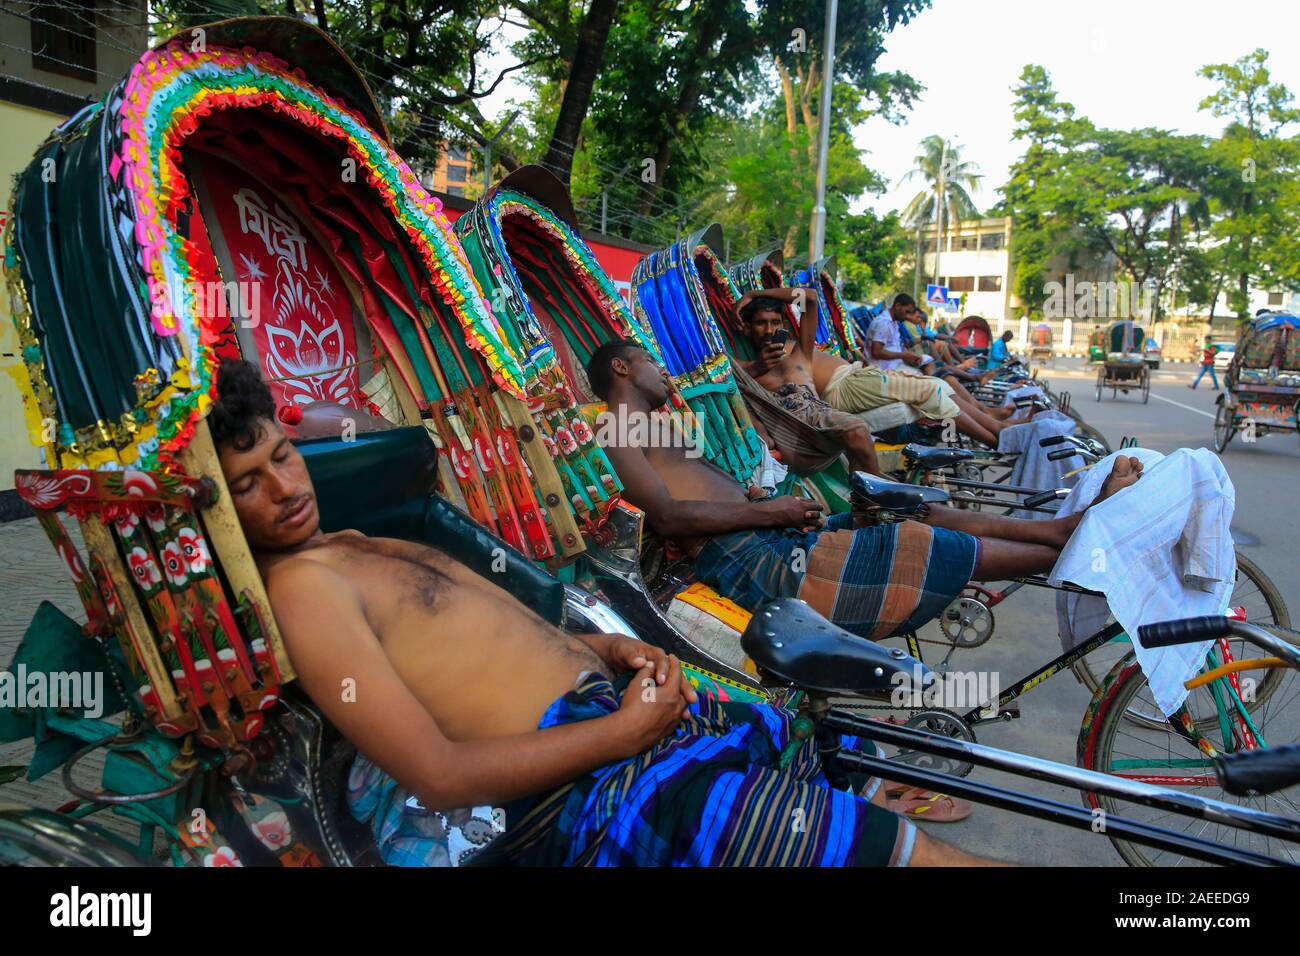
975, 264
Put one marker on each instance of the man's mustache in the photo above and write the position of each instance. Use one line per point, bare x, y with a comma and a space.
294, 505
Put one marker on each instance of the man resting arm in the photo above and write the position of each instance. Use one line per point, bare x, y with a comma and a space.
333, 647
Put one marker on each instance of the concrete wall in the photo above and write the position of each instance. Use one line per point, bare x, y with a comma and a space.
121, 36
24, 130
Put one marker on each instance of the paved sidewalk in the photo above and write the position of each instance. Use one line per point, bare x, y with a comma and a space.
31, 572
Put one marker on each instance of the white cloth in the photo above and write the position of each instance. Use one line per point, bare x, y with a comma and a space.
770, 472
1158, 550
884, 329
1024, 391
1033, 469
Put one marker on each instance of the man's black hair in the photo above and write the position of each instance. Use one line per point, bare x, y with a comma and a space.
761, 303
243, 404
599, 371
903, 299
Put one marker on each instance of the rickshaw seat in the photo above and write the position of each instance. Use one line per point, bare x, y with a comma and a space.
896, 496
930, 458
382, 484
317, 761
792, 643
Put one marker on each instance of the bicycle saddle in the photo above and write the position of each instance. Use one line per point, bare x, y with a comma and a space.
931, 458
894, 496
790, 641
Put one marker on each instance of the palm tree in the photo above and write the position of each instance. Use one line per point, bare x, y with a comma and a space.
945, 198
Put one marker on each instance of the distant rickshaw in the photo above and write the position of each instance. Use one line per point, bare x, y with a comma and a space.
1097, 347
1041, 348
1124, 368
1261, 390
973, 335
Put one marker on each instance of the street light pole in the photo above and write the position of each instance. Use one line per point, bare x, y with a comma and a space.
943, 189
824, 133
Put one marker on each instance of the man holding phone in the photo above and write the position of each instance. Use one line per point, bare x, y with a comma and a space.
784, 368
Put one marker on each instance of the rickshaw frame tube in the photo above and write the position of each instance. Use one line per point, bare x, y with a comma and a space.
1051, 772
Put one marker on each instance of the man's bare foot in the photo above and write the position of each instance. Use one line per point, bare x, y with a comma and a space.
1124, 472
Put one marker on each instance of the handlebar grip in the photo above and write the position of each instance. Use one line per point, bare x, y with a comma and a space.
1042, 498
1188, 630
1053, 440
1259, 771
1062, 453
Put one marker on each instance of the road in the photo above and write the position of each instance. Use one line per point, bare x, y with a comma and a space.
1266, 527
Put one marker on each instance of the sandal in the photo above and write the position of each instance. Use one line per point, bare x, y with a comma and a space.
926, 805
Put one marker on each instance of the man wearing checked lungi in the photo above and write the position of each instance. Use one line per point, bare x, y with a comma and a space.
875, 581
594, 749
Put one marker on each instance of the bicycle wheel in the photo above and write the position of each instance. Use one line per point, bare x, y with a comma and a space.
1224, 427
1110, 743
1264, 605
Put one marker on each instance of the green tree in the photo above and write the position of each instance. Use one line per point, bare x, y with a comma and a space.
947, 179
1048, 128
871, 253
1252, 180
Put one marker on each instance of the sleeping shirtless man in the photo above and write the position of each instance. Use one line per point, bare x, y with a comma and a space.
463, 696
875, 581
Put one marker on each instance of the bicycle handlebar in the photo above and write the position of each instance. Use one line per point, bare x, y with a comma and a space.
1043, 497
1193, 630
1255, 772
1188, 630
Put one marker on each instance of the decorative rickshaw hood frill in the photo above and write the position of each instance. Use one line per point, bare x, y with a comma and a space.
81, 411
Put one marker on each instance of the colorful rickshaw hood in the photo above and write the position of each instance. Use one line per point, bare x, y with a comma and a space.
118, 359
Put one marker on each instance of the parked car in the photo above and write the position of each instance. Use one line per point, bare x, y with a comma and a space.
1151, 353
1223, 355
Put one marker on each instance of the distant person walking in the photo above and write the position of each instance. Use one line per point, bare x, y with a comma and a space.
1207, 365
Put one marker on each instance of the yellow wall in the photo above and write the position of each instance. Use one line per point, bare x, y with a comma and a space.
22, 130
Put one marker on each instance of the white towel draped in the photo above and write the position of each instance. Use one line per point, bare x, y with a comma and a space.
1158, 550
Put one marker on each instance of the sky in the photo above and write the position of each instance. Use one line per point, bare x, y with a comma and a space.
1124, 64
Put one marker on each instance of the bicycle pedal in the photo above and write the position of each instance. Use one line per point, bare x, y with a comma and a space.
1007, 711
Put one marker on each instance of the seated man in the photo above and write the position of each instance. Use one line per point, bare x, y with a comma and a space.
875, 581
1000, 353
937, 341
782, 368
464, 696
800, 369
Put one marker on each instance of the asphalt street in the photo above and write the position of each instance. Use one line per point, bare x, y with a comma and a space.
1266, 528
